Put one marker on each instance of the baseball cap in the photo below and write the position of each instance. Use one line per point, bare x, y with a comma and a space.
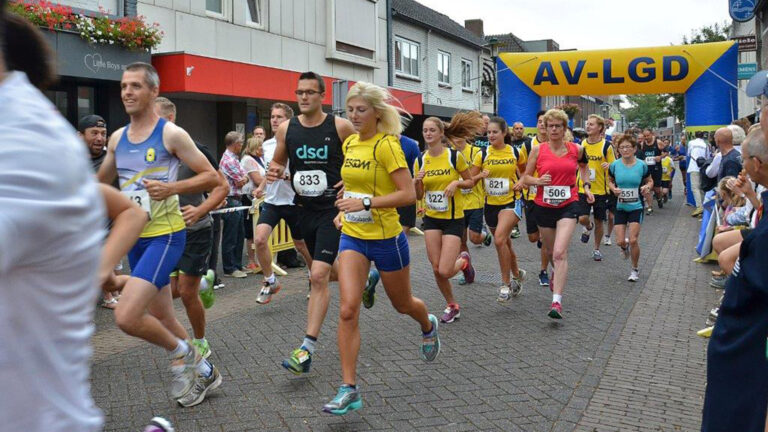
758, 84
90, 121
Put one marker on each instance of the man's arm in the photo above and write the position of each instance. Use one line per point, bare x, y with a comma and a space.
108, 170
179, 143
344, 128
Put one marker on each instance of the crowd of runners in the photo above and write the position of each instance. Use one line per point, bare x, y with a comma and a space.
347, 188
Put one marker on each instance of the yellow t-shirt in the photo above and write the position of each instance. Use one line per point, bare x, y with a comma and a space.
597, 153
502, 165
439, 172
474, 198
366, 173
667, 166
530, 193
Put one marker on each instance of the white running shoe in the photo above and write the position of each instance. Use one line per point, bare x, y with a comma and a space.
504, 293
634, 276
607, 241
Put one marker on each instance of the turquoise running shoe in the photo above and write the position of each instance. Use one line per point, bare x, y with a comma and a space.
430, 345
369, 292
346, 400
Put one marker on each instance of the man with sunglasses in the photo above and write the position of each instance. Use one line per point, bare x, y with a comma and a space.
311, 142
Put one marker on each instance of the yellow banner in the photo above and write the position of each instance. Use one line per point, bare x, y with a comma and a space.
668, 69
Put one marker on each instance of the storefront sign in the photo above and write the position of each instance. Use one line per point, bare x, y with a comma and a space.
746, 43
77, 58
746, 70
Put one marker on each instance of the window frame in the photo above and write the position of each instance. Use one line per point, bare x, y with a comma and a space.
226, 11
466, 64
264, 14
440, 63
411, 44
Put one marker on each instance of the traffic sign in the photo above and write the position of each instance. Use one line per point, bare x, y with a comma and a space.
746, 70
741, 10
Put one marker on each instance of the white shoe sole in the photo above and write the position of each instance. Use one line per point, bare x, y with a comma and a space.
216, 383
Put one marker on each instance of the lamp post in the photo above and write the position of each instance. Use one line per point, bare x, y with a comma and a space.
493, 44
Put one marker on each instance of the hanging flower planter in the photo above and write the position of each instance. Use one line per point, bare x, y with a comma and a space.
570, 109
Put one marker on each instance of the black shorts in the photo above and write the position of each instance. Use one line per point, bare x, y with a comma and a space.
407, 215
622, 217
612, 201
473, 219
547, 217
447, 226
666, 184
271, 214
600, 206
530, 219
248, 221
194, 259
656, 176
492, 213
319, 233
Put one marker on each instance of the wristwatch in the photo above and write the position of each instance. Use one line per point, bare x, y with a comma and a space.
367, 203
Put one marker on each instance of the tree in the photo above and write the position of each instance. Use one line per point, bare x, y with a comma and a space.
709, 33
646, 110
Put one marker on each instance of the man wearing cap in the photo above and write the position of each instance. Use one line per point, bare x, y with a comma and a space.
93, 130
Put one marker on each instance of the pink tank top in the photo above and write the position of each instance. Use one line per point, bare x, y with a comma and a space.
563, 189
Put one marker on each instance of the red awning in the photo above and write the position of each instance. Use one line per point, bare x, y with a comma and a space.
187, 73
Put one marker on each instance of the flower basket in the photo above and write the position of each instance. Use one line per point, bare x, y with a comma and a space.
570, 109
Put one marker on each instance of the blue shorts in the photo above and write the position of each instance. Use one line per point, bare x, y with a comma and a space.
154, 258
390, 254
473, 219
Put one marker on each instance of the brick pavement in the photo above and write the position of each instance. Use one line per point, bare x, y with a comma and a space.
503, 367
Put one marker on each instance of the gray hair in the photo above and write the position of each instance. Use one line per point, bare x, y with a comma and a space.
738, 134
754, 145
151, 78
232, 137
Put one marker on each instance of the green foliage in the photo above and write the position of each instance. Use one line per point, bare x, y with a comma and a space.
646, 110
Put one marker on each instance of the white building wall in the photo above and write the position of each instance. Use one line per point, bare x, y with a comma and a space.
430, 43
294, 35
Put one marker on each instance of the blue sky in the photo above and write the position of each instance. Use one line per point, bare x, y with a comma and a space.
589, 24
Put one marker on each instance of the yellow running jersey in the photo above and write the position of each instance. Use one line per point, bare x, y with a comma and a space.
474, 198
525, 151
439, 172
366, 173
667, 166
502, 165
597, 153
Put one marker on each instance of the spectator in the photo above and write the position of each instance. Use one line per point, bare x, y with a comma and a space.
260, 132
234, 233
253, 164
727, 161
697, 149
739, 134
680, 155
737, 379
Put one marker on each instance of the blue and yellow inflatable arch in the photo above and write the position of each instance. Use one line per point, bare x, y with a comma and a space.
706, 73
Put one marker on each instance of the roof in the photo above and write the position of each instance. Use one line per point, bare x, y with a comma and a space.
507, 42
419, 14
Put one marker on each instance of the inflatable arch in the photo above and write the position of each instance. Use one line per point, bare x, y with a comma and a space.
706, 73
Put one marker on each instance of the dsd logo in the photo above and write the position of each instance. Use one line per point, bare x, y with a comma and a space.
306, 152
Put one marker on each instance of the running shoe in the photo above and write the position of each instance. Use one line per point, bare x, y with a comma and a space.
543, 278
207, 296
488, 239
666, 198
430, 345
159, 424
183, 370
369, 292
251, 268
299, 362
585, 235
238, 274
461, 280
556, 311
660, 203
515, 233
517, 282
607, 241
625, 251
698, 212
634, 276
718, 282
450, 313
267, 290
468, 270
649, 211
597, 255
202, 347
538, 244
346, 400
202, 386
504, 294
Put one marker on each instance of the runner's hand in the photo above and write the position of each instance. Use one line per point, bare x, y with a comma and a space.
645, 189
451, 189
107, 280
157, 190
191, 214
275, 172
420, 175
485, 174
605, 165
590, 197
337, 221
350, 205
518, 186
544, 180
340, 186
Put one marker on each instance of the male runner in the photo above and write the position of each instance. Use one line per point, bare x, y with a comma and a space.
278, 204
194, 261
518, 141
650, 152
312, 143
600, 156
145, 155
529, 195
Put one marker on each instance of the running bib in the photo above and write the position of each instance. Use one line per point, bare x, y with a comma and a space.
592, 175
140, 197
436, 201
362, 216
554, 195
310, 183
531, 190
497, 186
664, 169
466, 191
629, 195
650, 160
